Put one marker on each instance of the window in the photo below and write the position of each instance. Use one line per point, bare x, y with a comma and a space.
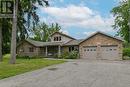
54, 38
71, 49
31, 49
58, 38
110, 49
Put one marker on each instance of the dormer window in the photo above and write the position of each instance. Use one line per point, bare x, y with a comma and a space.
57, 38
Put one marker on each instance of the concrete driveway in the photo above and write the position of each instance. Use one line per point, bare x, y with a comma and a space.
78, 73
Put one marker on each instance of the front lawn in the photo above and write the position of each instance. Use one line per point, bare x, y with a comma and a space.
24, 65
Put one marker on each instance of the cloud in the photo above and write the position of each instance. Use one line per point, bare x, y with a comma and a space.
88, 33
79, 16
64, 31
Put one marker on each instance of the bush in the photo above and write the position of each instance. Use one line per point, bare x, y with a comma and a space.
126, 45
70, 55
126, 52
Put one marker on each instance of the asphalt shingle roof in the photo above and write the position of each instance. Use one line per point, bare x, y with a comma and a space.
39, 43
74, 42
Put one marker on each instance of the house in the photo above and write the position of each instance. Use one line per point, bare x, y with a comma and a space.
97, 46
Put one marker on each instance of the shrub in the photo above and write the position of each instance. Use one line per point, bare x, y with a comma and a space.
56, 56
70, 55
126, 52
126, 45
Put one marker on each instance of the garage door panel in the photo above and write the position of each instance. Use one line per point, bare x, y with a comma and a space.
90, 52
109, 52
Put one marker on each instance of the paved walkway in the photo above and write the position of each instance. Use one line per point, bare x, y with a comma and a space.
78, 73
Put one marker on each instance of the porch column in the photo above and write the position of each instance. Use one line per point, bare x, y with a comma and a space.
59, 50
46, 51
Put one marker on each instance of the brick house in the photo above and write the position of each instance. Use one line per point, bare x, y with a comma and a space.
97, 46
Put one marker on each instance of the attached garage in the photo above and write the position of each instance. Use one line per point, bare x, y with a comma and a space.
101, 46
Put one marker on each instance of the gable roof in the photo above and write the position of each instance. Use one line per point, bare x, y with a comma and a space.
63, 35
99, 32
72, 42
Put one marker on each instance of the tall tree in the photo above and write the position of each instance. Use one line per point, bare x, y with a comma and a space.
27, 15
43, 31
129, 18
0, 39
23, 8
122, 14
14, 30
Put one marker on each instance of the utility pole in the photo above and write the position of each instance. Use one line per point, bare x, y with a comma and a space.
14, 31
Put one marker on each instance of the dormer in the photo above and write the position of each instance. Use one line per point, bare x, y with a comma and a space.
60, 37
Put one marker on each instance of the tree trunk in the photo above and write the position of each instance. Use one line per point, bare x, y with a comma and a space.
1, 40
14, 31
129, 19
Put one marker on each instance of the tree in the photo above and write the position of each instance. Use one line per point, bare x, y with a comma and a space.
129, 18
0, 40
122, 19
21, 9
14, 30
27, 16
43, 31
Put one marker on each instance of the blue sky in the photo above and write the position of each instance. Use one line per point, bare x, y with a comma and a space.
80, 18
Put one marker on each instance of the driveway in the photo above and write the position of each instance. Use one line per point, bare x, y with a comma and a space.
78, 73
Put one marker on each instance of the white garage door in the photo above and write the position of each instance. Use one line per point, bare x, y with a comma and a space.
109, 52
90, 52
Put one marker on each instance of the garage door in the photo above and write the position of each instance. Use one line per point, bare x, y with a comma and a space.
109, 52
90, 52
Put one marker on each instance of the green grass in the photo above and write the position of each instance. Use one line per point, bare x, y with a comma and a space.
23, 65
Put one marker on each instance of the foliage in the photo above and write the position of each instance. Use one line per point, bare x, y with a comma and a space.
126, 45
27, 16
70, 55
6, 33
121, 14
24, 65
43, 31
126, 52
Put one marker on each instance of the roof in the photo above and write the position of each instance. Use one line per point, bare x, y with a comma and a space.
40, 44
74, 42
63, 35
99, 32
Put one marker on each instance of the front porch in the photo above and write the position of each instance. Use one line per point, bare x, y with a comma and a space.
50, 51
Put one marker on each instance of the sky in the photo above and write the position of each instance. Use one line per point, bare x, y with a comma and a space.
80, 18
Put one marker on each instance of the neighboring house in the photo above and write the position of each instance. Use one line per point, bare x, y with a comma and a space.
97, 46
